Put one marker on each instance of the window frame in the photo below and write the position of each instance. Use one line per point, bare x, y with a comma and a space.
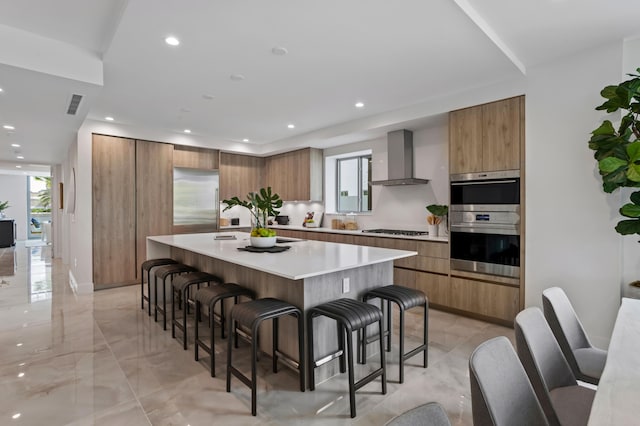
361, 187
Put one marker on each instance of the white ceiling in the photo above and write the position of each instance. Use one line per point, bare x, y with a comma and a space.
389, 55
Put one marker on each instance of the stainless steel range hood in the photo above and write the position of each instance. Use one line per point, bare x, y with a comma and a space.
400, 160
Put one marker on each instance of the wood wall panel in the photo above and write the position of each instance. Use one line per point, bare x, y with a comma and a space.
114, 211
154, 193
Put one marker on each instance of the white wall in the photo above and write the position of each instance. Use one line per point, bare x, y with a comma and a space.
570, 241
14, 190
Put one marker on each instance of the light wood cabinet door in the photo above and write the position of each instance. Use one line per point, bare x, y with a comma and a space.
295, 175
239, 175
195, 158
501, 135
465, 140
154, 193
114, 211
489, 300
436, 287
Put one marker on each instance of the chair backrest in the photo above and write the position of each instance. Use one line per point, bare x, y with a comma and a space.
501, 393
541, 357
430, 414
564, 324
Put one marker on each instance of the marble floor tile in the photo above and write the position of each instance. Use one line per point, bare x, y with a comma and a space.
99, 359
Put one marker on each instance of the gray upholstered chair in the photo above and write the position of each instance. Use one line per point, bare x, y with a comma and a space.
586, 361
501, 393
563, 400
430, 414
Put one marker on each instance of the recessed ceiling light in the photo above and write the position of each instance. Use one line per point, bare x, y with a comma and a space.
187, 130
109, 118
279, 51
15, 416
207, 97
21, 374
291, 126
237, 77
1, 90
245, 140
20, 157
172, 41
18, 167
359, 105
15, 145
19, 344
8, 127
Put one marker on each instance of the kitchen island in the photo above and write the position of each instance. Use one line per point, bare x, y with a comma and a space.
307, 274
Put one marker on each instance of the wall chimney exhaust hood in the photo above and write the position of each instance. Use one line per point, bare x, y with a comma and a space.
400, 160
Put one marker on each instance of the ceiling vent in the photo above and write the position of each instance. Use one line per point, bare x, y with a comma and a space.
74, 104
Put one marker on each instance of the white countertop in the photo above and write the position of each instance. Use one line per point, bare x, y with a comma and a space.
441, 239
305, 258
616, 401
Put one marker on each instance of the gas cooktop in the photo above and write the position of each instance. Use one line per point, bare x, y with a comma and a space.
395, 232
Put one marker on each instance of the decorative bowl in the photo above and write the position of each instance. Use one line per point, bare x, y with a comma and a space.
263, 242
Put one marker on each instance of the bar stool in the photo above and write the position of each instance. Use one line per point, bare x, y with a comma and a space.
147, 265
405, 298
252, 314
163, 272
181, 285
209, 296
351, 315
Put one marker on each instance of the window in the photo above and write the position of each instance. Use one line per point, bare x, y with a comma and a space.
353, 188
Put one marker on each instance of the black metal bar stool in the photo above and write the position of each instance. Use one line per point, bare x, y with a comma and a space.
181, 285
351, 315
405, 298
147, 265
252, 314
209, 296
163, 272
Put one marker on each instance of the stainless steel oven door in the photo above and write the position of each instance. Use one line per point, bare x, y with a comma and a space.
492, 188
491, 250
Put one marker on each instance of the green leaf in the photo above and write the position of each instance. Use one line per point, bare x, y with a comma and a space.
611, 164
630, 210
608, 92
633, 172
633, 151
635, 197
628, 227
606, 128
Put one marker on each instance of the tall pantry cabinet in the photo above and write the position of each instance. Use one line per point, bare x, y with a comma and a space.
132, 183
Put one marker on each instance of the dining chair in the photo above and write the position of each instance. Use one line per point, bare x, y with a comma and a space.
586, 361
429, 414
564, 402
501, 394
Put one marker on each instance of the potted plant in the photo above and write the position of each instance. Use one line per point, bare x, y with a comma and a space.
438, 212
3, 206
261, 204
617, 151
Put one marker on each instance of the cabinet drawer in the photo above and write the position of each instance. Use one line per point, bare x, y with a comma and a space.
436, 287
432, 264
404, 277
491, 300
431, 249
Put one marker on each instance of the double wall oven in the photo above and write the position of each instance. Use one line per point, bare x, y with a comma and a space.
485, 222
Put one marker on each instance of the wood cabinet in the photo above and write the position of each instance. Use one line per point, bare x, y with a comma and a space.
239, 175
295, 175
132, 184
114, 210
195, 158
489, 300
154, 194
486, 137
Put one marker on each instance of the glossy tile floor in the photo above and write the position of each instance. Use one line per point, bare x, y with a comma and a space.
99, 359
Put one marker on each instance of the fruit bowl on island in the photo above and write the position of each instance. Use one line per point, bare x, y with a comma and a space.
263, 237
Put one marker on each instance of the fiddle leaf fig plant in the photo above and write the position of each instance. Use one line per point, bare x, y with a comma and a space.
617, 150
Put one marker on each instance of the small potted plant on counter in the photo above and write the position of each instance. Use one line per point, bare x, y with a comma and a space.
438, 212
261, 204
3, 206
